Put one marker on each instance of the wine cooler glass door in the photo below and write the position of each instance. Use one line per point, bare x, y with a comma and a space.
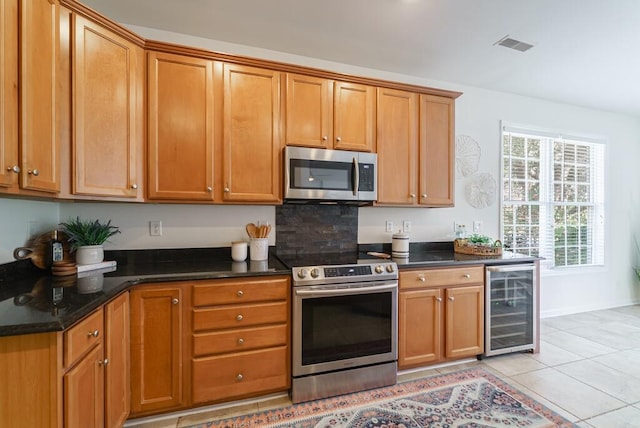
510, 309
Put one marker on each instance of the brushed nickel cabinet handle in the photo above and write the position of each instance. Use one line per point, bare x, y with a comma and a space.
438, 299
14, 168
422, 279
240, 341
338, 139
209, 189
227, 190
103, 362
94, 333
134, 186
239, 317
451, 298
240, 293
239, 376
34, 172
175, 301
413, 195
466, 275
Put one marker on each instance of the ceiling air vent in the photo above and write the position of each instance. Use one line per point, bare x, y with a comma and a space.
510, 43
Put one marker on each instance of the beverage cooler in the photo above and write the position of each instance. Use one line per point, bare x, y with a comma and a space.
511, 312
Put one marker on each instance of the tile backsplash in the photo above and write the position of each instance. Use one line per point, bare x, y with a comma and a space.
306, 229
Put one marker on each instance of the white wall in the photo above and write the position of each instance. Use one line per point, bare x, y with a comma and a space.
478, 115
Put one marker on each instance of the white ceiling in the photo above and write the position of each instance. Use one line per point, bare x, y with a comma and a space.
586, 52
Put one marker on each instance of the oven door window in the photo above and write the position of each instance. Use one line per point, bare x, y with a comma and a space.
321, 175
344, 327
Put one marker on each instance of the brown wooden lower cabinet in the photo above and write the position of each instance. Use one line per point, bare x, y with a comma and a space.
206, 341
441, 315
157, 345
65, 378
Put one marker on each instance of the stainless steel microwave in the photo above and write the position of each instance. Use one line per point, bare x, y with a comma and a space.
329, 175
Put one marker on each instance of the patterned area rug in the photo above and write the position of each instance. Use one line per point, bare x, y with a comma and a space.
467, 398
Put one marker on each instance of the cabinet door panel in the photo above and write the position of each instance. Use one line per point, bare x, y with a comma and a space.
180, 127
39, 146
107, 113
437, 150
8, 93
396, 147
420, 327
464, 321
353, 116
156, 348
116, 350
84, 392
251, 141
308, 111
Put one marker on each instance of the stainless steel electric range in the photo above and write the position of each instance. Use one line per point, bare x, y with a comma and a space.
345, 323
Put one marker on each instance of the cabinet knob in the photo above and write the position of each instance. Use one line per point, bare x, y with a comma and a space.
227, 190
451, 298
438, 299
325, 138
34, 172
240, 293
94, 333
209, 189
134, 186
175, 301
14, 168
422, 279
424, 196
103, 362
338, 139
239, 376
466, 275
413, 195
240, 341
239, 317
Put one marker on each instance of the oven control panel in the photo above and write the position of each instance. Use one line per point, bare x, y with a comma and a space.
344, 273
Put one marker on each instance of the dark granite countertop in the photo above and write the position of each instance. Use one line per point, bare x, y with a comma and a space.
34, 301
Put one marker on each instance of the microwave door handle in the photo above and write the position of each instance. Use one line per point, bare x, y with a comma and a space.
356, 176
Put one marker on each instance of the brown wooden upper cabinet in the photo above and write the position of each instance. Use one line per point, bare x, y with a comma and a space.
329, 114
437, 151
39, 139
180, 128
9, 166
415, 146
252, 144
397, 147
107, 140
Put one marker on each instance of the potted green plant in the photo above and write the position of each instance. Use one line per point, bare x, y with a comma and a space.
86, 238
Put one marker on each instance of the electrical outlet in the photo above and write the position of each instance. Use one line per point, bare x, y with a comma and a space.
388, 226
477, 226
406, 226
155, 228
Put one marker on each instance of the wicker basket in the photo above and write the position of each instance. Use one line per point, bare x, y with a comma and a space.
463, 246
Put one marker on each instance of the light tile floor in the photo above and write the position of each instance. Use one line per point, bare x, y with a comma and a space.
588, 370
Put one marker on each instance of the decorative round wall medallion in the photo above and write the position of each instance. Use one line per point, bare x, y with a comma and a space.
467, 156
481, 190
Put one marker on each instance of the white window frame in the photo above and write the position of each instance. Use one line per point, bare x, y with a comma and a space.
547, 204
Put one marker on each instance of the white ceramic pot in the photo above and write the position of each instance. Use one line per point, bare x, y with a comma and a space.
89, 254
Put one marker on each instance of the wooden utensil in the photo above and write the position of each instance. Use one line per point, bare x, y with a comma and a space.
252, 230
38, 250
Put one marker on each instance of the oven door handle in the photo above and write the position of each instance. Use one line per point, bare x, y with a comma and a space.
345, 291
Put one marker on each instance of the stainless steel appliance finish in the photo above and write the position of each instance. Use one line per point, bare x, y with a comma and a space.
511, 308
345, 327
329, 175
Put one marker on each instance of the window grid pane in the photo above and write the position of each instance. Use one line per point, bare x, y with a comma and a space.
553, 211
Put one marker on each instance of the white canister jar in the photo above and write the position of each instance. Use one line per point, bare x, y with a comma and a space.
400, 245
239, 251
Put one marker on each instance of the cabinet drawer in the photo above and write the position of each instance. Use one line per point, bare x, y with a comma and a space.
239, 340
232, 376
82, 337
240, 291
441, 277
239, 316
